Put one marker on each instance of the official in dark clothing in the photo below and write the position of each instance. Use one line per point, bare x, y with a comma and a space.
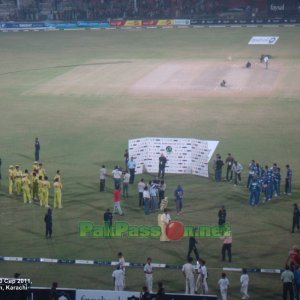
218, 169
160, 295
296, 217
53, 292
162, 166
48, 222
37, 148
222, 215
108, 217
192, 247
229, 161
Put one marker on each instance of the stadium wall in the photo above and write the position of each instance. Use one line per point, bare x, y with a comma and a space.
166, 23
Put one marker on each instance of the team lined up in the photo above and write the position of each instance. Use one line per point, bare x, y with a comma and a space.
34, 185
266, 181
261, 180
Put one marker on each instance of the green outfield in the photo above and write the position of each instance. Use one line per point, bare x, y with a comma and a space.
41, 75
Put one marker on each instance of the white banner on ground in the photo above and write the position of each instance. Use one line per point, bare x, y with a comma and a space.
263, 40
185, 156
101, 295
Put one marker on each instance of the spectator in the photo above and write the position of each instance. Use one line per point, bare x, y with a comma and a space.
102, 174
218, 170
178, 193
160, 295
53, 292
229, 161
287, 278
222, 215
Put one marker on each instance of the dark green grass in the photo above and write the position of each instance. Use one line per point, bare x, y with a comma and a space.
78, 134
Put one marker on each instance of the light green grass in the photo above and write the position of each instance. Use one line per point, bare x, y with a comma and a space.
78, 134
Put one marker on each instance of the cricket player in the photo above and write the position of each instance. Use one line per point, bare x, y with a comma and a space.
35, 187
223, 284
45, 191
57, 193
266, 61
244, 284
57, 176
189, 272
18, 180
40, 190
122, 265
26, 188
148, 274
11, 179
35, 166
118, 276
42, 171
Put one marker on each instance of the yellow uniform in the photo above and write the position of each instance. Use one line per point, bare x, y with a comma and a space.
40, 191
35, 166
57, 176
35, 188
18, 181
10, 180
26, 189
42, 172
14, 172
57, 194
45, 192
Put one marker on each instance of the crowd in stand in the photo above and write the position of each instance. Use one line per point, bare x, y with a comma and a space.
35, 10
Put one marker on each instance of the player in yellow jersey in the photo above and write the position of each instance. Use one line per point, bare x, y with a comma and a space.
26, 188
26, 174
40, 190
42, 171
11, 179
35, 187
57, 193
57, 176
35, 166
45, 191
18, 180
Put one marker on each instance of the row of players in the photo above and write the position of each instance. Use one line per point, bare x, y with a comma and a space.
34, 185
267, 181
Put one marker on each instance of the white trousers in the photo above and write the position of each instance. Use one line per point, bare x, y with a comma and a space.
224, 294
190, 285
149, 282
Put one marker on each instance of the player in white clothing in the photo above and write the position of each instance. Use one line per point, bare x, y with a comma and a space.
223, 284
202, 277
118, 276
189, 274
122, 264
244, 284
148, 274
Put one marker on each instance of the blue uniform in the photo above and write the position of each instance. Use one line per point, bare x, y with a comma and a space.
252, 171
254, 189
268, 185
276, 183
